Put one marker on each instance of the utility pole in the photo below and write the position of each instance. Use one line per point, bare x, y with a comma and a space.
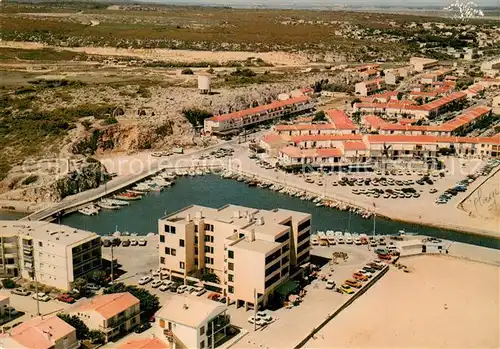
36, 290
112, 263
255, 310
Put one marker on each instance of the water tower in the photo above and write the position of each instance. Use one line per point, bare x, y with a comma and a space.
204, 82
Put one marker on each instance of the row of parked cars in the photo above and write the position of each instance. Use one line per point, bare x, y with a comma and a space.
407, 193
168, 285
362, 275
261, 319
115, 242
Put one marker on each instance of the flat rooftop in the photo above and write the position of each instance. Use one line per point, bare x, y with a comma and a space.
266, 222
260, 246
49, 232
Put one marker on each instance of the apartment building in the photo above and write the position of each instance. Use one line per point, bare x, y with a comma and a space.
248, 249
57, 254
420, 64
233, 122
113, 314
41, 333
366, 88
187, 321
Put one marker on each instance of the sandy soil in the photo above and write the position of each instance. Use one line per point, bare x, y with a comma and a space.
444, 303
276, 58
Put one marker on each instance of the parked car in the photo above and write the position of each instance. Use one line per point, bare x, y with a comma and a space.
66, 298
182, 289
21, 291
365, 273
93, 287
258, 321
126, 243
142, 327
145, 279
41, 297
385, 256
143, 242
156, 283
353, 283
330, 284
106, 243
264, 316
346, 289
360, 276
116, 242
199, 291
369, 269
133, 242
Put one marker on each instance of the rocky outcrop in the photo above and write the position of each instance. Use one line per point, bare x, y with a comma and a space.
89, 176
52, 188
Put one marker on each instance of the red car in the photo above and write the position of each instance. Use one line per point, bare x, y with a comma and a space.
66, 298
386, 256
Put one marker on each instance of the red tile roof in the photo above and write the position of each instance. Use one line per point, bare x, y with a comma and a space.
108, 305
476, 88
304, 127
40, 333
340, 120
400, 139
466, 117
355, 145
329, 152
260, 109
146, 343
373, 120
317, 138
444, 101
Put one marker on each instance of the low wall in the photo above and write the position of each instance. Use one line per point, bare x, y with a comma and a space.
342, 307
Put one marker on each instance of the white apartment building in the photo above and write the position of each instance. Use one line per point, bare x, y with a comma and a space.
57, 254
187, 321
366, 88
251, 251
233, 122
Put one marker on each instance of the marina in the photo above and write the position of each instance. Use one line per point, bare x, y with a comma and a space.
211, 190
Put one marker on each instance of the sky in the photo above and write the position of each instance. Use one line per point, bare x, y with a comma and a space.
328, 3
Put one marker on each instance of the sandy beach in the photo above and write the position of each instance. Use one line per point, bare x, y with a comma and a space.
443, 303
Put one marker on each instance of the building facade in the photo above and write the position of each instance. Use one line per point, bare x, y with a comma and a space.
366, 88
57, 254
187, 321
233, 122
113, 314
250, 250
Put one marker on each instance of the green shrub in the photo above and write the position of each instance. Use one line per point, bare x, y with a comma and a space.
8, 283
187, 71
30, 179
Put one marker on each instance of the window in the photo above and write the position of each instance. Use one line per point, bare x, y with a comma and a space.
209, 260
273, 256
209, 227
181, 242
209, 249
182, 265
209, 238
283, 237
196, 239
230, 254
162, 238
162, 260
173, 252
272, 280
230, 266
40, 243
302, 248
196, 250
202, 345
284, 271
230, 289
284, 260
304, 225
306, 234
230, 277
202, 330
167, 250
196, 228
172, 230
169, 229
285, 248
273, 268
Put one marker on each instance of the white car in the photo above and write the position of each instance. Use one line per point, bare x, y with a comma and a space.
199, 291
142, 242
156, 273
41, 297
259, 322
182, 289
164, 287
366, 273
264, 316
348, 241
314, 240
190, 289
157, 283
357, 241
145, 279
330, 284
133, 242
340, 240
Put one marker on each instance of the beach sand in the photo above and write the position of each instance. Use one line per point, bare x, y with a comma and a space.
445, 302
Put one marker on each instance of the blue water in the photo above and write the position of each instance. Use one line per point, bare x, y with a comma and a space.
142, 216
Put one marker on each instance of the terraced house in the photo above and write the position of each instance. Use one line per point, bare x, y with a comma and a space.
251, 251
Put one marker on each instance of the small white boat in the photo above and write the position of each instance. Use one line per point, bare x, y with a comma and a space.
108, 206
87, 211
118, 202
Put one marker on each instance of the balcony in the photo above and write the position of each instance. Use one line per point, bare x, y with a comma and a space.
9, 245
113, 324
